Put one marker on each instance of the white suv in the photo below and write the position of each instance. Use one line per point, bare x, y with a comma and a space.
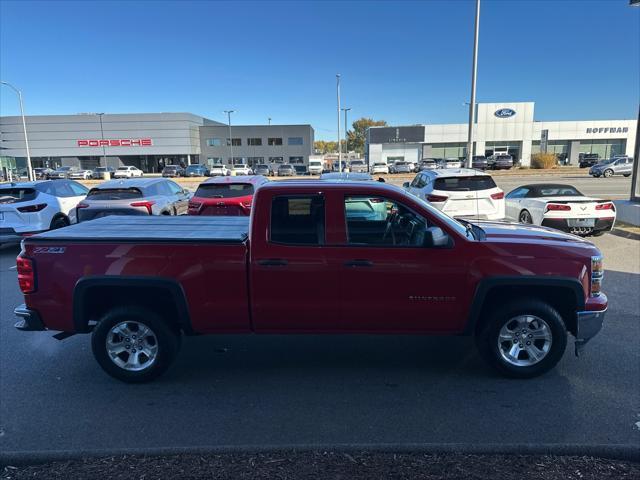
459, 192
31, 207
379, 167
240, 169
219, 169
127, 172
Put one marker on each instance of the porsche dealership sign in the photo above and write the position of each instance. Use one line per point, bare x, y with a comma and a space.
116, 142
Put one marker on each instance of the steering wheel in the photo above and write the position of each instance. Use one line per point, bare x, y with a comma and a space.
392, 219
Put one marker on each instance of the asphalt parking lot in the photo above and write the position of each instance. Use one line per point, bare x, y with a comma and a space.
323, 390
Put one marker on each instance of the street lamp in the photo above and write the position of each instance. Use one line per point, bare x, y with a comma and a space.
24, 129
472, 103
269, 120
229, 112
339, 135
104, 154
346, 134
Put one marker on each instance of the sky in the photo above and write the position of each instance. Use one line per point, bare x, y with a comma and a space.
403, 62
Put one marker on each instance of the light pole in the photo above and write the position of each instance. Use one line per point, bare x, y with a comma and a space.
472, 103
104, 154
269, 121
24, 129
229, 112
346, 135
339, 135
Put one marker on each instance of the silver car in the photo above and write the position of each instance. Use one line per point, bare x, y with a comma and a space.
358, 166
613, 166
286, 170
145, 196
401, 167
62, 172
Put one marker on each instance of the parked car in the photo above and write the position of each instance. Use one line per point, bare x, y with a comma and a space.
227, 196
263, 169
27, 208
80, 174
588, 159
358, 166
561, 207
316, 166
144, 196
99, 172
127, 172
219, 169
196, 170
346, 176
461, 192
452, 163
519, 290
173, 171
62, 172
613, 166
241, 169
427, 164
42, 173
379, 167
286, 170
500, 162
479, 162
401, 167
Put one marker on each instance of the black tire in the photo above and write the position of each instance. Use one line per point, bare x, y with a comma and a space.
626, 175
59, 222
525, 217
168, 343
489, 348
599, 234
608, 173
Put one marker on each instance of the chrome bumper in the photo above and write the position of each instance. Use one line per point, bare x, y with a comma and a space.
29, 319
588, 326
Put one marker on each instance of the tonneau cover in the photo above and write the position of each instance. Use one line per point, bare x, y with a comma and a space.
159, 228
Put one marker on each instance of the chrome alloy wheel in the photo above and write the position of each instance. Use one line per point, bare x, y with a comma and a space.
132, 346
524, 340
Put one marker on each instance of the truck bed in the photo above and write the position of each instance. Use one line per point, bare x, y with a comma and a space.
153, 229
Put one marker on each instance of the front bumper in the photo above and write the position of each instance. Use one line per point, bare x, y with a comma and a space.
588, 325
29, 319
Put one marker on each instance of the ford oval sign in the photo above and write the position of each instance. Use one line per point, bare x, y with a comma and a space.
505, 113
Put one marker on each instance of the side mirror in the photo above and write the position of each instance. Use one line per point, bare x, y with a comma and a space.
434, 237
405, 185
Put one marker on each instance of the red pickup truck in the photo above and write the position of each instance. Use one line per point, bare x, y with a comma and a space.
313, 257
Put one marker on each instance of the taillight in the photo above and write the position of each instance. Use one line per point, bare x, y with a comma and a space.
246, 204
32, 208
597, 273
437, 198
195, 205
557, 207
605, 206
82, 205
26, 274
497, 196
147, 204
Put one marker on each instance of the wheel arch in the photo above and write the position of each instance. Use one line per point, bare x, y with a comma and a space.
565, 294
93, 296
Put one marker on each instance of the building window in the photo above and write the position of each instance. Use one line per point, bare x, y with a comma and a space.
297, 220
274, 141
294, 141
239, 160
276, 159
255, 161
293, 160
214, 142
254, 142
214, 160
235, 142
449, 150
604, 148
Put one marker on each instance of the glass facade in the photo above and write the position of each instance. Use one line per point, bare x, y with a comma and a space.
604, 148
294, 141
553, 146
448, 150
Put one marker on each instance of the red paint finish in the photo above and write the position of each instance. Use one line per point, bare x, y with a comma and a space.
225, 206
264, 287
116, 142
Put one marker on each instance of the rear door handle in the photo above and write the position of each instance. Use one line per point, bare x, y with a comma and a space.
358, 263
273, 262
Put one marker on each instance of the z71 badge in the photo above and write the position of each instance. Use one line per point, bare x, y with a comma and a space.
49, 250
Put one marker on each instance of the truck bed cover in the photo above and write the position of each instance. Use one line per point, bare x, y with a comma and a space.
153, 229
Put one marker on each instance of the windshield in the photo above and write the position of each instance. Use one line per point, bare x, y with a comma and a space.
224, 190
17, 194
463, 184
559, 191
123, 168
458, 226
114, 193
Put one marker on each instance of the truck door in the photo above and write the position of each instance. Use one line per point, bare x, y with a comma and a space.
391, 282
293, 273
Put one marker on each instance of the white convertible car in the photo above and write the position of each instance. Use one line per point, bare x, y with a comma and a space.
561, 207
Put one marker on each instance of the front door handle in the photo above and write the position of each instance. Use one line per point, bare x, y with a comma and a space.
358, 263
273, 262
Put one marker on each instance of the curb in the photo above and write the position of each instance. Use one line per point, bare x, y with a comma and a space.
613, 452
619, 232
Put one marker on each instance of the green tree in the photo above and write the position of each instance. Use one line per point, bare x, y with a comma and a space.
358, 135
323, 146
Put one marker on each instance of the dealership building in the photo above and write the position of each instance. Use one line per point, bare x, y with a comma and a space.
502, 128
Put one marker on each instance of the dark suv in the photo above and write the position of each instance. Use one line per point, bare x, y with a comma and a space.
588, 159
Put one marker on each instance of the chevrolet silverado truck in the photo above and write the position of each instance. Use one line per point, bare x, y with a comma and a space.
313, 257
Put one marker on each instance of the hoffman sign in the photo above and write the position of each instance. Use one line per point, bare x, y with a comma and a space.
608, 130
120, 142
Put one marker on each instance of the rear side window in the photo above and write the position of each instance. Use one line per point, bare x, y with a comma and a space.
114, 193
297, 220
464, 184
224, 190
17, 195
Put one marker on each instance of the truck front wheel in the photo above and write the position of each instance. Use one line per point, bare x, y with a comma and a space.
523, 339
134, 344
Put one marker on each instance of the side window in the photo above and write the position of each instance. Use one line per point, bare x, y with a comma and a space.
174, 187
78, 190
62, 189
416, 181
519, 193
297, 220
378, 221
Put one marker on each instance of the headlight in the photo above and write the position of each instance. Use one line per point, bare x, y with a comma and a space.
597, 273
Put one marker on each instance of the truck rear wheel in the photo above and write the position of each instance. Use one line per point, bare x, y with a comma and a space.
523, 339
134, 344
